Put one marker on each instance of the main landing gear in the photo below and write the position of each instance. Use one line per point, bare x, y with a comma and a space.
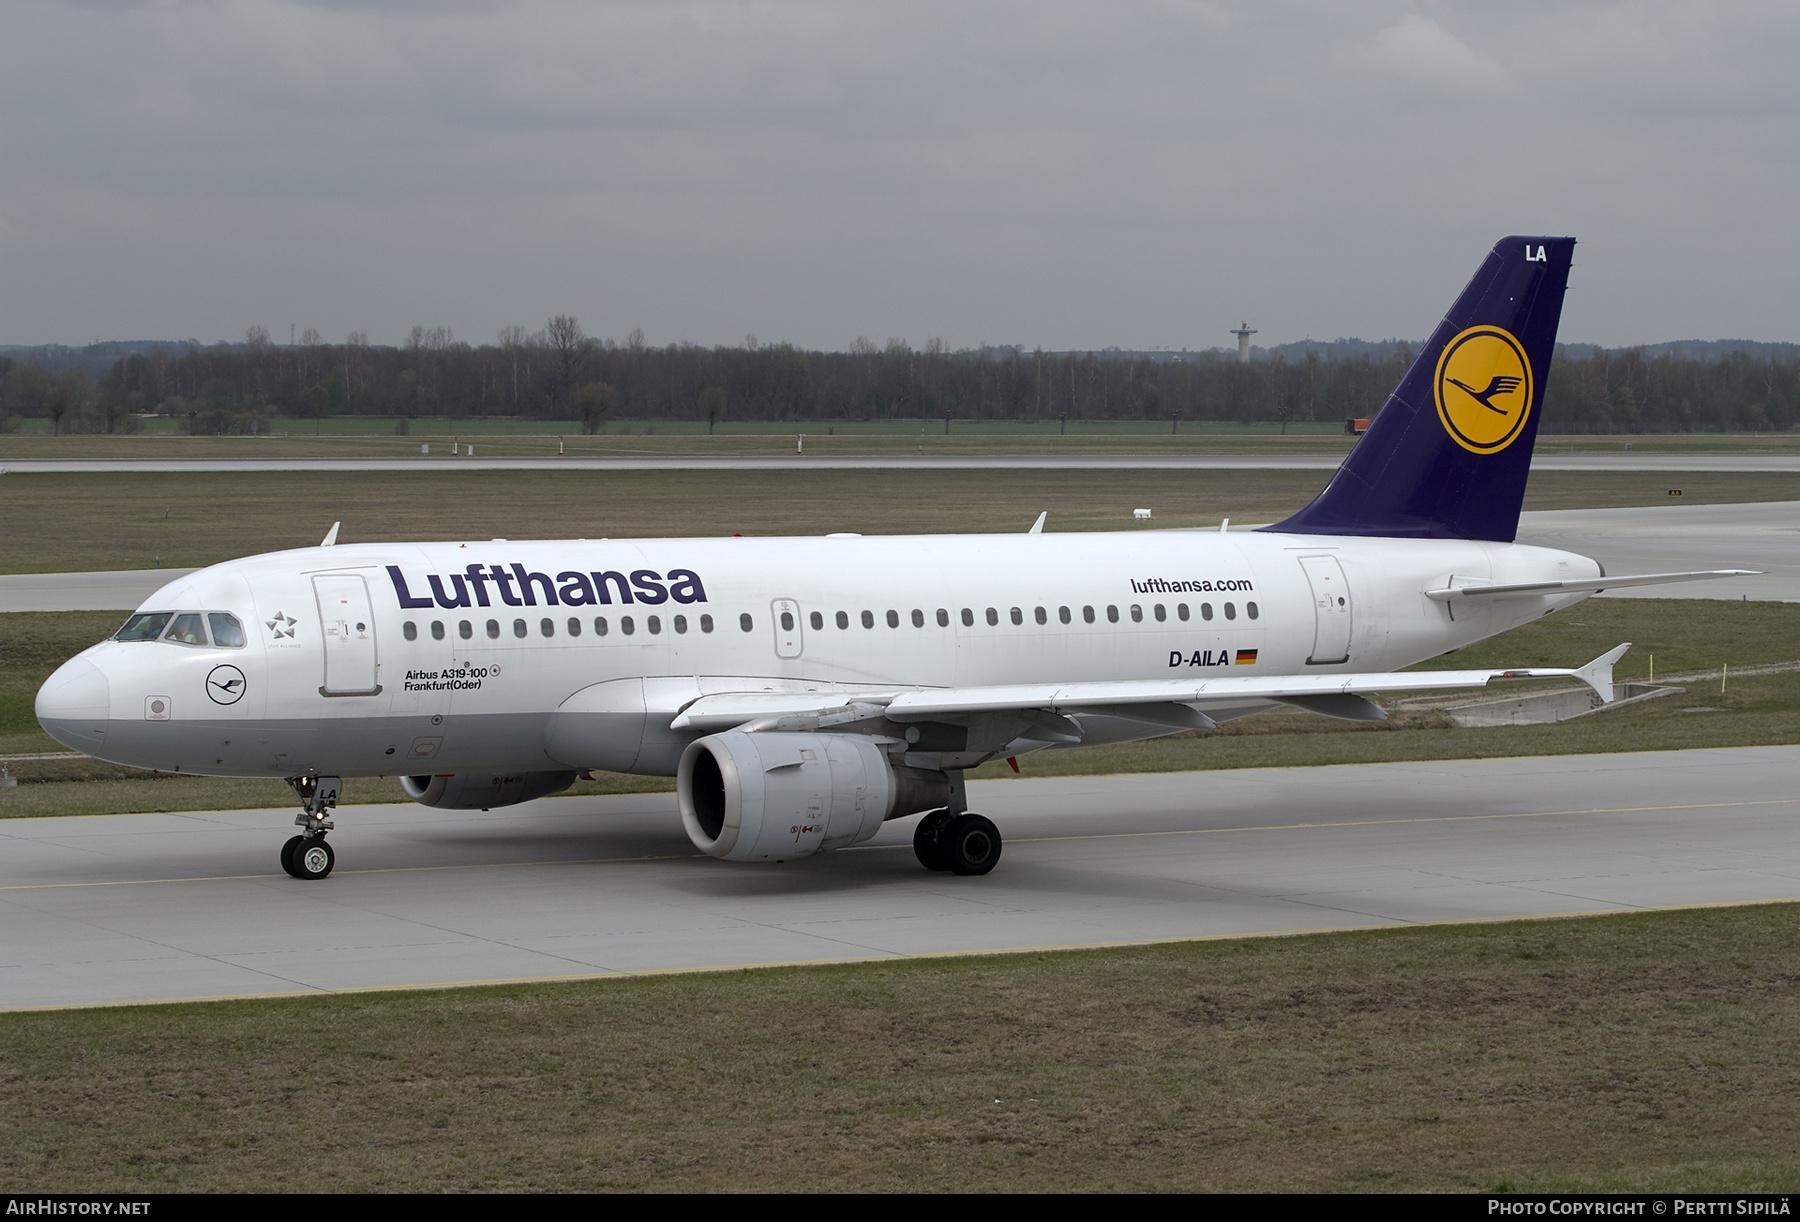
958, 841
307, 856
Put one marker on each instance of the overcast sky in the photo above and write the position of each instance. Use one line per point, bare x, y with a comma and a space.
1045, 173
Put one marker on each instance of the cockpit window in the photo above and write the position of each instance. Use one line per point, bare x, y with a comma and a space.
186, 630
144, 626
227, 632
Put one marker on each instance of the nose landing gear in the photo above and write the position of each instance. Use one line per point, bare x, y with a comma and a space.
307, 856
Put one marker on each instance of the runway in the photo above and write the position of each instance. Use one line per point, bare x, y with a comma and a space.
1683, 538
918, 462
115, 591
133, 908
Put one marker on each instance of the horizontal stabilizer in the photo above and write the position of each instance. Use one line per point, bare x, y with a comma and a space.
1589, 585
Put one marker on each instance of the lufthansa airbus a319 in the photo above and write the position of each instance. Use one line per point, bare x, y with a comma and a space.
805, 690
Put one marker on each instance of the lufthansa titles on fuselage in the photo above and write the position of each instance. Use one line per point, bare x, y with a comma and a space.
1163, 585
516, 586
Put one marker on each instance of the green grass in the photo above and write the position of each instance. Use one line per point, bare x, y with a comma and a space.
1645, 1053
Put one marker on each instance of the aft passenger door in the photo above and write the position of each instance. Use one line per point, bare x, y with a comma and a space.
348, 622
1331, 610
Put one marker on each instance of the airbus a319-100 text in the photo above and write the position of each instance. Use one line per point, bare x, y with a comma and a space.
803, 691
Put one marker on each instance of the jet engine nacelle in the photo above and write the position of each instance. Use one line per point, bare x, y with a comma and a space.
483, 790
769, 797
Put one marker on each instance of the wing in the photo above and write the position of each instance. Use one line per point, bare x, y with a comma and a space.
1176, 703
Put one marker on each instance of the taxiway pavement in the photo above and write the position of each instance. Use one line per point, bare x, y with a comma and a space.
1683, 538
132, 908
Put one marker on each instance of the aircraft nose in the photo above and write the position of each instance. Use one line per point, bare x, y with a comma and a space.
74, 703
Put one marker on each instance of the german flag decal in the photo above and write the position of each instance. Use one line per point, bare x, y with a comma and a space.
1246, 657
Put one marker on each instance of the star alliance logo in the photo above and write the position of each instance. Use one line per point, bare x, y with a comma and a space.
282, 625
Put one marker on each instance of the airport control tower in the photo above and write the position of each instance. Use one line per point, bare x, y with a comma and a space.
1244, 332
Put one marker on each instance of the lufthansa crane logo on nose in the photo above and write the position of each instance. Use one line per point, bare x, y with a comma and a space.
225, 684
1484, 389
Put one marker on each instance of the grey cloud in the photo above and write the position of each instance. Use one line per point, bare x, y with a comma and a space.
1050, 173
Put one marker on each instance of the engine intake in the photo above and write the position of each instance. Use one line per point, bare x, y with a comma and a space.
482, 791
770, 797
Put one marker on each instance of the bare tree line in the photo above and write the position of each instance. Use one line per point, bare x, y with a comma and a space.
561, 373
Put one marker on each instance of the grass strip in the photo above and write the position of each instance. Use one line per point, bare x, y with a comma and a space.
1650, 1052
107, 521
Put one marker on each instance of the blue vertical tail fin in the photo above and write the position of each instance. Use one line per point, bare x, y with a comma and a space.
1448, 455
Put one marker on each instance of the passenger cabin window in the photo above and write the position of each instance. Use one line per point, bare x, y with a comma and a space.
993, 617
787, 621
1112, 614
654, 623
1018, 616
547, 627
1062, 613
706, 623
1087, 614
227, 632
1137, 614
1250, 610
599, 625
493, 629
1181, 612
745, 622
519, 629
680, 623
918, 618
437, 629
968, 618
868, 619
943, 617
1159, 612
817, 621
628, 626
144, 626
843, 619
1206, 611
186, 630
409, 630
574, 626
1042, 616
465, 629
1230, 611
893, 618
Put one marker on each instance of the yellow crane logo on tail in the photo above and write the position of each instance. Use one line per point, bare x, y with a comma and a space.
1483, 389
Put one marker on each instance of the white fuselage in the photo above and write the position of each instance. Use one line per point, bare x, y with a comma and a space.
356, 684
